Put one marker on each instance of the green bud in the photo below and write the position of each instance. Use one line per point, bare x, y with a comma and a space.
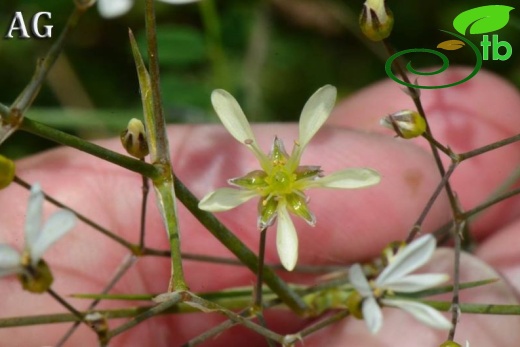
253, 180
278, 153
297, 204
307, 171
376, 20
133, 139
354, 302
36, 279
267, 211
333, 298
7, 170
406, 123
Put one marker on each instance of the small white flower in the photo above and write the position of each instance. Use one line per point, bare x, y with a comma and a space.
38, 237
281, 182
395, 278
116, 8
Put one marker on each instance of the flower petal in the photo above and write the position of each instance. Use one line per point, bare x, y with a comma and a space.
358, 280
235, 121
351, 178
114, 8
423, 313
33, 218
372, 315
9, 260
315, 113
232, 116
286, 239
415, 283
224, 199
410, 258
58, 224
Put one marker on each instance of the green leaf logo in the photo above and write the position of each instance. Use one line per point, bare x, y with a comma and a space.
482, 20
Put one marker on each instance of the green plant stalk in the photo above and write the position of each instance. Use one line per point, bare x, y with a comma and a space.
152, 312
208, 306
159, 148
63, 138
10, 322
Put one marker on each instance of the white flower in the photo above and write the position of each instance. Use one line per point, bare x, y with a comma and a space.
38, 237
395, 278
116, 8
281, 182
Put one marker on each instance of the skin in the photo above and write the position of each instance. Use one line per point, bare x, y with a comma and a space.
352, 225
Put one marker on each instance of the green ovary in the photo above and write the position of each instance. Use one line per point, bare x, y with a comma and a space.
280, 181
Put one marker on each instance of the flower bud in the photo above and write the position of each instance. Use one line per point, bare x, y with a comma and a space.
133, 139
406, 123
37, 279
98, 322
376, 20
354, 302
6, 171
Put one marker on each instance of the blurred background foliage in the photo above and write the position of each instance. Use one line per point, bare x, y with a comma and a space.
271, 54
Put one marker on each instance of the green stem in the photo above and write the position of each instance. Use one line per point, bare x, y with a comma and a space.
63, 138
490, 147
336, 317
418, 224
158, 145
489, 203
144, 202
152, 312
259, 278
208, 306
65, 304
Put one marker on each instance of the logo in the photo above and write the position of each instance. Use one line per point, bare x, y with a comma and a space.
18, 25
480, 21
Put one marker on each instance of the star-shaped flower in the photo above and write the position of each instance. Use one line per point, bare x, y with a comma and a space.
281, 181
396, 278
116, 8
38, 238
